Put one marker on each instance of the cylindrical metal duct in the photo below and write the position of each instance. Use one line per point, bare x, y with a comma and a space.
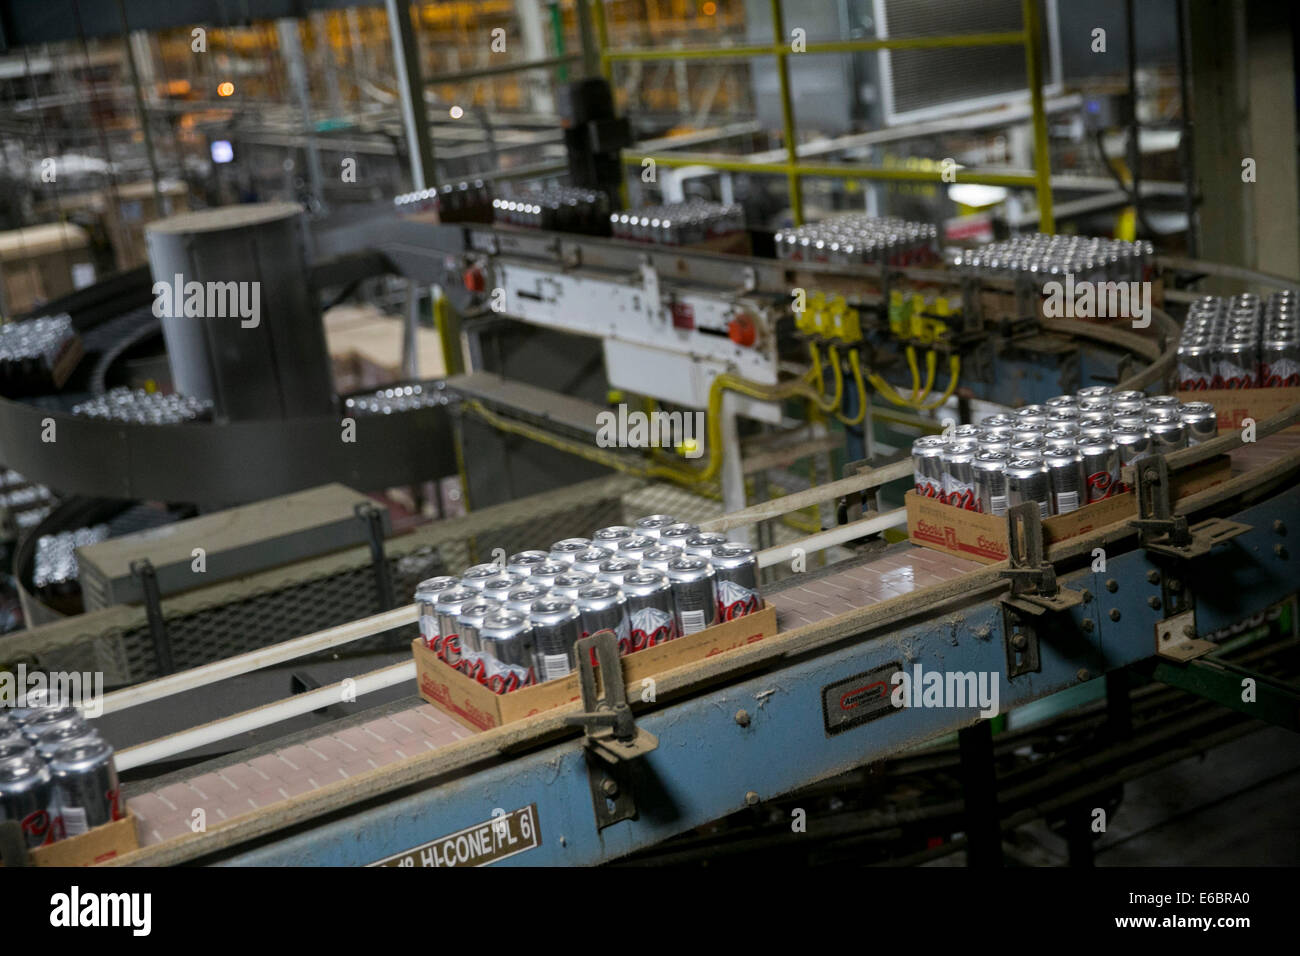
240, 319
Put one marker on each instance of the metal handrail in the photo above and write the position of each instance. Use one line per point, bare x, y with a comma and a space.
795, 171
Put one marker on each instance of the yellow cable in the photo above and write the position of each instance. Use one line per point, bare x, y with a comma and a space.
915, 397
818, 380
839, 380
955, 371
861, 416
931, 362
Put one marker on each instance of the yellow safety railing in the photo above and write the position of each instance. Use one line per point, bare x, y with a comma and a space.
795, 171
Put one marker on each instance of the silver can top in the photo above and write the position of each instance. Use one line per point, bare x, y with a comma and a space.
77, 758
599, 596
689, 568
551, 610
453, 600
733, 554
644, 583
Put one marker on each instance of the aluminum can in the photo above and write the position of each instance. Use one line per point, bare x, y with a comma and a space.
1093, 391
1159, 403
991, 482
545, 574
1134, 444
927, 466
1130, 422
497, 588
997, 421
999, 446
601, 607
27, 798
1201, 420
463, 650
651, 614
570, 583
613, 569
703, 543
612, 538
1238, 365
676, 534
1279, 361
52, 719
565, 549
426, 599
1098, 431
1062, 401
1128, 406
523, 597
1032, 415
996, 432
48, 744
1064, 479
555, 632
475, 576
1029, 448
694, 595
1058, 438
590, 560
1128, 395
959, 476
656, 559
1029, 432
651, 525
635, 547
1027, 481
1167, 436
1100, 468
86, 788
735, 580
523, 563
509, 651
1196, 366
450, 604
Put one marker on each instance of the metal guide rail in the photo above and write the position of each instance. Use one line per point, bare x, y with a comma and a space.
405, 785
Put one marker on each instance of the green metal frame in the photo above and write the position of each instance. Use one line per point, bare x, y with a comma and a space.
795, 171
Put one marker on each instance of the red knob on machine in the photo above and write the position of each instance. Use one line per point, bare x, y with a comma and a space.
475, 279
742, 331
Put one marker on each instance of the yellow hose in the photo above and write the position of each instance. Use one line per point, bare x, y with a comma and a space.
954, 366
861, 416
916, 377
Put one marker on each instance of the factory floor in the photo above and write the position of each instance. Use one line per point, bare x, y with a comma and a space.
1235, 805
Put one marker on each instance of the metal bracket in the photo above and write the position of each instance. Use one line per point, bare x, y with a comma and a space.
1160, 531
1033, 580
612, 738
143, 570
1035, 591
650, 283
383, 580
1176, 638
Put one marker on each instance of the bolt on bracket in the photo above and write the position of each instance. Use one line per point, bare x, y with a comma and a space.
611, 737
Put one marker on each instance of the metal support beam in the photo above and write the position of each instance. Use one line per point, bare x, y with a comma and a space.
415, 119
1227, 685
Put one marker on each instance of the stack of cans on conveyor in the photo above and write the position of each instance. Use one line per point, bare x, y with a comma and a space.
856, 238
1241, 342
398, 398
679, 223
454, 202
1063, 454
561, 208
57, 776
54, 567
1043, 258
651, 582
139, 407
30, 352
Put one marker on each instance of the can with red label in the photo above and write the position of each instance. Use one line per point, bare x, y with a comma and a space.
590, 560
426, 599
570, 583
509, 651
522, 598
1027, 481
656, 559
676, 534
1064, 479
523, 563
612, 538
449, 607
650, 610
544, 574
635, 547
1201, 420
927, 466
601, 607
959, 475
703, 543
27, 798
1100, 468
613, 569
735, 569
566, 549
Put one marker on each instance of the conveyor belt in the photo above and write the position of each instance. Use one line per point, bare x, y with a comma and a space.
231, 787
